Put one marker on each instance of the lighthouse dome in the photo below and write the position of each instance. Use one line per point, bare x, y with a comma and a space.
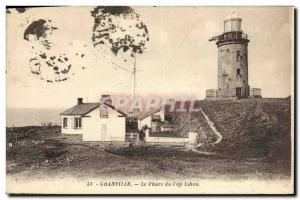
232, 23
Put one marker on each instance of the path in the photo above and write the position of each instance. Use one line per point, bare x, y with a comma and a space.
213, 128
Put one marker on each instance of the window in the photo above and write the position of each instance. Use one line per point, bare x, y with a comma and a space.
78, 122
238, 92
156, 118
65, 122
229, 35
238, 72
168, 117
227, 50
157, 128
238, 53
103, 112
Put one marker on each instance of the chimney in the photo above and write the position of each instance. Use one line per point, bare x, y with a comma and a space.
79, 101
105, 98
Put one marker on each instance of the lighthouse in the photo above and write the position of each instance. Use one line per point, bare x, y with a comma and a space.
232, 47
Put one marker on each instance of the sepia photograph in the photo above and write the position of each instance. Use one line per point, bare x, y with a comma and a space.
153, 100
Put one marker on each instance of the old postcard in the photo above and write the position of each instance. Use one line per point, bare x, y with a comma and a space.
150, 100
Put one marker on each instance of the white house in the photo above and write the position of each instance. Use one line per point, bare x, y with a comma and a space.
95, 121
152, 119
158, 125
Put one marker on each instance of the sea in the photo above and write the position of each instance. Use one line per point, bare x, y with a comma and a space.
20, 117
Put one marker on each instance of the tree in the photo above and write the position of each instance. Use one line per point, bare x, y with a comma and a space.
120, 29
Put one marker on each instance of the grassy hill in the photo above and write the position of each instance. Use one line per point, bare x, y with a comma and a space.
47, 156
258, 128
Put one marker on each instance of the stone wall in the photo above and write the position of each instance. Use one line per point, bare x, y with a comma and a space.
233, 69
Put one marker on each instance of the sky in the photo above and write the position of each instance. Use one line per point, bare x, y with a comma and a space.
178, 59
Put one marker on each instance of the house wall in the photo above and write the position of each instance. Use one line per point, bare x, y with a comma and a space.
144, 122
255, 92
147, 120
103, 129
71, 125
95, 128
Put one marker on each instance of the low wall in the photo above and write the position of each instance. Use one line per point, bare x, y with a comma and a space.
191, 139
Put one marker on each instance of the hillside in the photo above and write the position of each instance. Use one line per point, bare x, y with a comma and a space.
48, 156
258, 128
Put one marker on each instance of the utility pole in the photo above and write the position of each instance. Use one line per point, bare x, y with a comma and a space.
133, 72
134, 77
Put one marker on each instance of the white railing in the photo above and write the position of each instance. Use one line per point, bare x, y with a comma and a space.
190, 140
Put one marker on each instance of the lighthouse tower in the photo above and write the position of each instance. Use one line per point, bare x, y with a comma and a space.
232, 61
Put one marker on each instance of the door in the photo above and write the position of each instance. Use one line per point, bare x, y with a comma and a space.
103, 132
238, 92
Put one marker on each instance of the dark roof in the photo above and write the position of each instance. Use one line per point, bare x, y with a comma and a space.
147, 114
177, 105
119, 111
171, 109
81, 109
85, 108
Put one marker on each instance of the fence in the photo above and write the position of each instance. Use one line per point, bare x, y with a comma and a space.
190, 140
132, 137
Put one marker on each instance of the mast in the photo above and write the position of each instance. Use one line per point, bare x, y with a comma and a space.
133, 72
134, 79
